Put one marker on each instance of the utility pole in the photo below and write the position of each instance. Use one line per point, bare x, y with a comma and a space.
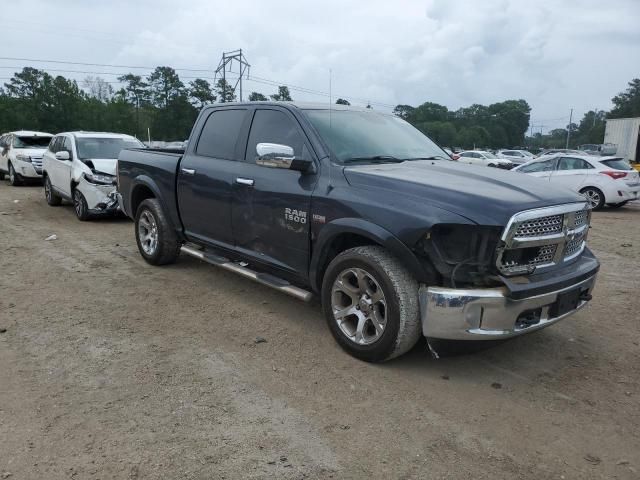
569, 129
228, 58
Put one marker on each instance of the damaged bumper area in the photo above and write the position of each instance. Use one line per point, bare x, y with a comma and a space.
492, 313
30, 169
100, 198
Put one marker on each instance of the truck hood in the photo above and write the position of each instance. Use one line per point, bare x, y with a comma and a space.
484, 195
103, 165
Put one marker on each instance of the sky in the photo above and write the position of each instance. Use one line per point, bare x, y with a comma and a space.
555, 54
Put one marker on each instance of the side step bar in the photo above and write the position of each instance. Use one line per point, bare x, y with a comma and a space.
263, 278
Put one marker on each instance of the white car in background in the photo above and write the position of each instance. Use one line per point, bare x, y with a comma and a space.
81, 167
21, 155
602, 180
488, 159
517, 157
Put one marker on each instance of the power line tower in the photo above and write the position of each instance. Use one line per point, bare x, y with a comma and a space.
226, 65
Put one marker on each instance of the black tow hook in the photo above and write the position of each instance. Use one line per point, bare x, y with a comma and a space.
586, 296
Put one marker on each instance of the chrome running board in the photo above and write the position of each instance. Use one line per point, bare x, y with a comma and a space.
263, 278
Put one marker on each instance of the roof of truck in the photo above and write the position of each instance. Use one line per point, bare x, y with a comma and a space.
304, 105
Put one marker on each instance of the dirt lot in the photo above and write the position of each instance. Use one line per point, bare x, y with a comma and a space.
111, 368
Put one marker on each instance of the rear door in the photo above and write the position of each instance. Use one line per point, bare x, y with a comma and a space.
270, 211
206, 173
571, 172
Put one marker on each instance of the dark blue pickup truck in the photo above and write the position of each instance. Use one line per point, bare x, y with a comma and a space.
365, 211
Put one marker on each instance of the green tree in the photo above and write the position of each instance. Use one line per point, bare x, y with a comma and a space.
257, 97
627, 103
165, 86
342, 101
200, 93
403, 111
283, 94
225, 91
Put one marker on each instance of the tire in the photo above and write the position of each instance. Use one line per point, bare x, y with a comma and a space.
52, 198
1, 176
491, 165
80, 205
14, 177
397, 312
156, 238
617, 205
594, 196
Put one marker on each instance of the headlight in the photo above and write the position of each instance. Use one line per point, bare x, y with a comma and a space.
99, 178
23, 158
463, 253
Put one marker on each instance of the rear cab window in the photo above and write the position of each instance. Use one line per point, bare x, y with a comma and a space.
220, 134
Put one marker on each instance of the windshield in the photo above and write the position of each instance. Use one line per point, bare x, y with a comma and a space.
355, 136
31, 142
617, 164
104, 147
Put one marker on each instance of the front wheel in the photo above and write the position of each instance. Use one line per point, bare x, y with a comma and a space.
156, 238
80, 206
14, 177
52, 199
370, 301
594, 196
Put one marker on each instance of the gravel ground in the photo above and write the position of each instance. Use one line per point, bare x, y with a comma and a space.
111, 368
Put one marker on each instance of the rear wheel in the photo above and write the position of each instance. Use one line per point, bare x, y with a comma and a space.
14, 178
52, 199
594, 196
80, 205
370, 302
156, 238
1, 175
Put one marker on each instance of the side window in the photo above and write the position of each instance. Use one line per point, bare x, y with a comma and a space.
568, 163
274, 126
66, 146
545, 166
220, 134
54, 146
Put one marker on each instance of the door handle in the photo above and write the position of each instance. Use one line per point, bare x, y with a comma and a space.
245, 181
188, 171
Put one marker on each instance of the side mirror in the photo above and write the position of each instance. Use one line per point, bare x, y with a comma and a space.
273, 155
63, 155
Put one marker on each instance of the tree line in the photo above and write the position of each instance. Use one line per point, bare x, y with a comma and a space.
161, 102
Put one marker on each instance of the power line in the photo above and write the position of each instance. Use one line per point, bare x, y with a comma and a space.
101, 64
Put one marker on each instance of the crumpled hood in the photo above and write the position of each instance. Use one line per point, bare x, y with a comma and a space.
31, 152
485, 195
104, 165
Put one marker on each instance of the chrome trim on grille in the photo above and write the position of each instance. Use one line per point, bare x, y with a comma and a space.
558, 232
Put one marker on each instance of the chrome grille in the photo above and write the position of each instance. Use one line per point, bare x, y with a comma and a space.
37, 164
540, 226
580, 218
543, 237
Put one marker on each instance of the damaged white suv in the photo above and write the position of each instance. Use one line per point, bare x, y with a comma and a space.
81, 167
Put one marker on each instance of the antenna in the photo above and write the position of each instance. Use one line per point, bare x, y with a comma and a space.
330, 101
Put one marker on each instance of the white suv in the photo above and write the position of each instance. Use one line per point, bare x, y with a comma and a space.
81, 167
488, 159
21, 155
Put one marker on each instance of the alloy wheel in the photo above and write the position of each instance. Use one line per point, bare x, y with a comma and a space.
359, 306
148, 232
593, 197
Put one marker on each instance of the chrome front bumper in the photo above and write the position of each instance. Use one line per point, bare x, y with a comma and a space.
489, 314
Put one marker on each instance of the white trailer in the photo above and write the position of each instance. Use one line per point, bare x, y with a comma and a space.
625, 133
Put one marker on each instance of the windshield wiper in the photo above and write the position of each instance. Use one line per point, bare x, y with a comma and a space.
376, 159
434, 157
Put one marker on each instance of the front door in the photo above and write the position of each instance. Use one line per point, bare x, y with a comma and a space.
271, 206
59, 171
205, 175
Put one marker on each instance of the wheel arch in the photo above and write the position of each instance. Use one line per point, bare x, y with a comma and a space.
345, 233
